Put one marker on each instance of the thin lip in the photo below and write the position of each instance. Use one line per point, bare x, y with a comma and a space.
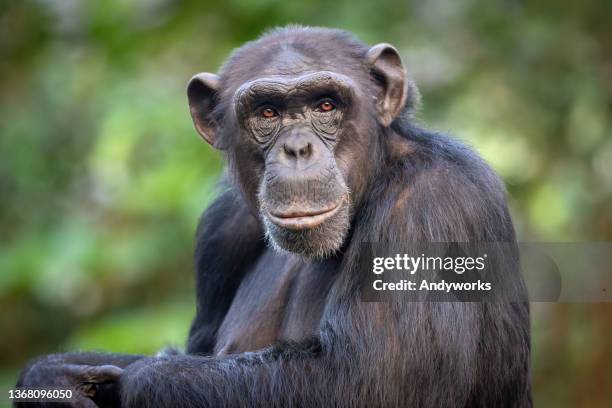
298, 220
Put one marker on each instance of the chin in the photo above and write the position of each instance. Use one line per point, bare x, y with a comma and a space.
312, 241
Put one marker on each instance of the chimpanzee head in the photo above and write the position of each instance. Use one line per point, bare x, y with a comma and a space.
302, 114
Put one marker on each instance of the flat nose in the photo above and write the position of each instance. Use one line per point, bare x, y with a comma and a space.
297, 148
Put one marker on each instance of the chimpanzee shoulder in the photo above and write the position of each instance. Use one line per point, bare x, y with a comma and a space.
441, 188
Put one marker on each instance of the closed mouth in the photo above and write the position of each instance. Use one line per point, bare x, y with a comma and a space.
304, 219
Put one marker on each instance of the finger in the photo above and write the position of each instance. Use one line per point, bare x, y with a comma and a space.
93, 374
102, 374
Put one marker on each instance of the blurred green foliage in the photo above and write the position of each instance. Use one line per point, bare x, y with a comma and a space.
102, 177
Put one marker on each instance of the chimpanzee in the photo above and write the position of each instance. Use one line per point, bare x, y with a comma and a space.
322, 154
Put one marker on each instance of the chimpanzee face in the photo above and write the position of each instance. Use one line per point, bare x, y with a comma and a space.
303, 138
297, 122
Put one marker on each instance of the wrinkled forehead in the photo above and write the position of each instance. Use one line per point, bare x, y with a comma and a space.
291, 68
308, 84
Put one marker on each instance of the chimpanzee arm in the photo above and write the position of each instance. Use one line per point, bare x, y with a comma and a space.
365, 357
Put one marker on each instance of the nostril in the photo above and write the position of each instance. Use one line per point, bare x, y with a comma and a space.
289, 151
306, 150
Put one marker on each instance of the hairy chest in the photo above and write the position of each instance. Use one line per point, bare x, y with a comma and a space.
282, 298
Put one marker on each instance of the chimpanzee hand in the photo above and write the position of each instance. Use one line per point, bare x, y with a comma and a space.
92, 385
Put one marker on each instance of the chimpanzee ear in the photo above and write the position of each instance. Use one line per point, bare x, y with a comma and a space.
202, 93
387, 68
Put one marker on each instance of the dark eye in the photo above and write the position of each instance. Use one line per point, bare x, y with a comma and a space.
269, 113
326, 106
